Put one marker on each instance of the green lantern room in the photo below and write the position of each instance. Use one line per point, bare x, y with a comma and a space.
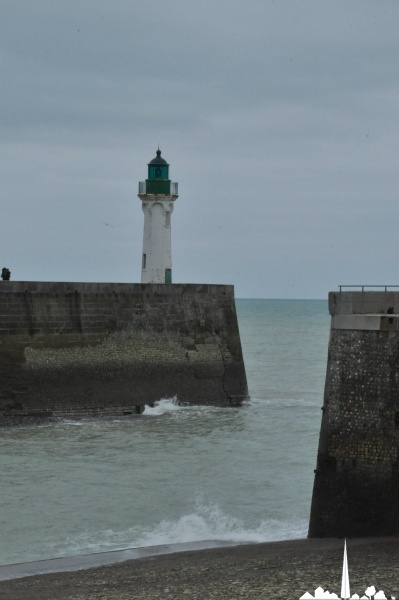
158, 181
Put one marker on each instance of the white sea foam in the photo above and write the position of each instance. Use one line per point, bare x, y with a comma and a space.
205, 523
210, 523
163, 406
170, 406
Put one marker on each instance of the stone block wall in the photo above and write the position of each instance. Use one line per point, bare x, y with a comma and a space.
69, 349
356, 487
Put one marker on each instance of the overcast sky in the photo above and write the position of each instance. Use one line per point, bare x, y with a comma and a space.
280, 120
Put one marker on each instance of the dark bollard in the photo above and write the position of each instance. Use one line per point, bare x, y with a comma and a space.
5, 274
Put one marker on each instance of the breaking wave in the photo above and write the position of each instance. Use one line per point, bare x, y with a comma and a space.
205, 523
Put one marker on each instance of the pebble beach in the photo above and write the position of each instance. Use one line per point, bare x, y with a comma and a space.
275, 570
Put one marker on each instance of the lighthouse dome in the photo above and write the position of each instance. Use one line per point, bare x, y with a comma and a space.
158, 160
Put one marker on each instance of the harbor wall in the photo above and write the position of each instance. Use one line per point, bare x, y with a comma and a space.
76, 349
356, 485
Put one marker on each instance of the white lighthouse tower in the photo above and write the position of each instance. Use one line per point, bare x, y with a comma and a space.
157, 195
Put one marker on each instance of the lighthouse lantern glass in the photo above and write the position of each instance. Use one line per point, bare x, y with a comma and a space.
158, 171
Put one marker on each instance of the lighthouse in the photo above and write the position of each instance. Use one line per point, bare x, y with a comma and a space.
157, 194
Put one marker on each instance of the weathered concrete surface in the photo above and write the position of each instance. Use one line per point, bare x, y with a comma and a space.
363, 303
280, 570
356, 487
70, 349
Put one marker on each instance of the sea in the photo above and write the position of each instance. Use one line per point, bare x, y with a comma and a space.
178, 474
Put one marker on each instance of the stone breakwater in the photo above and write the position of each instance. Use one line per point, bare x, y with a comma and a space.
280, 570
84, 349
356, 488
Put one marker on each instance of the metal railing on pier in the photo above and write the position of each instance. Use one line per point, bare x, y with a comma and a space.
365, 288
385, 305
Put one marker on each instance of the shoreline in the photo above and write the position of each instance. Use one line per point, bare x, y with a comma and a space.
82, 562
284, 569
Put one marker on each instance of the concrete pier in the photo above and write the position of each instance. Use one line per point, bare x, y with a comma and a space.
356, 486
87, 349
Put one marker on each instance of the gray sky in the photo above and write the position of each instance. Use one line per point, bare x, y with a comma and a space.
280, 120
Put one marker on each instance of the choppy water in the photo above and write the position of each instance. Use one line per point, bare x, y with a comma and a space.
178, 474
